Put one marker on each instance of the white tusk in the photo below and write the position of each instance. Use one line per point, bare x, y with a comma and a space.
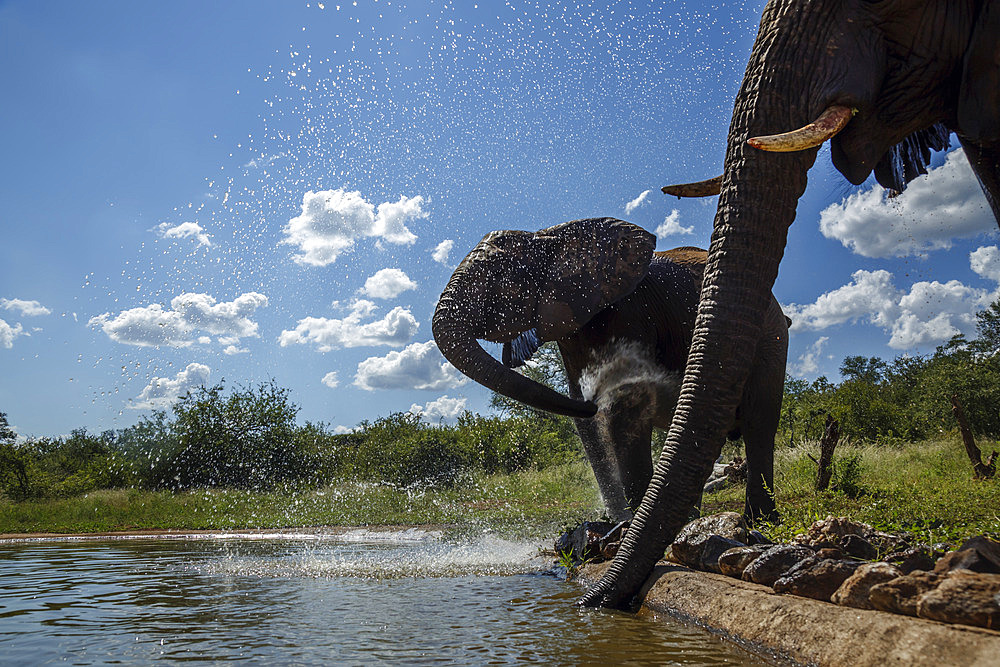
815, 133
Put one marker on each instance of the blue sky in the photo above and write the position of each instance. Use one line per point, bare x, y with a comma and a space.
197, 191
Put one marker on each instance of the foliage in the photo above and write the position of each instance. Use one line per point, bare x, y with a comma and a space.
906, 399
247, 438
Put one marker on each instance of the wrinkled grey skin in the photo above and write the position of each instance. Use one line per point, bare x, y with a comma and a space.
913, 70
623, 318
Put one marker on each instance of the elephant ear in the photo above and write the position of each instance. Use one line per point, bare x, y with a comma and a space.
979, 96
519, 350
590, 264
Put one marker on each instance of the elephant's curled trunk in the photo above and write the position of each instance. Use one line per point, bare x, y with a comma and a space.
457, 340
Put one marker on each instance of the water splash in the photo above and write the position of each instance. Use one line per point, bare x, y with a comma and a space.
367, 555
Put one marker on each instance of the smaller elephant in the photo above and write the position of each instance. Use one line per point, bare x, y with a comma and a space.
623, 317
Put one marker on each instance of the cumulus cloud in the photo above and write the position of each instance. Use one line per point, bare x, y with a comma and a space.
671, 226
390, 222
394, 330
183, 231
444, 407
26, 308
945, 204
330, 380
340, 429
387, 284
637, 202
442, 250
417, 366
8, 333
332, 220
808, 362
163, 392
189, 314
929, 313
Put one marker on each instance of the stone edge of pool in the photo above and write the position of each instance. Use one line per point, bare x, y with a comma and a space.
806, 631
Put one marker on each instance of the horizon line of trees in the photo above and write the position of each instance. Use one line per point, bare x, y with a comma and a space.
248, 438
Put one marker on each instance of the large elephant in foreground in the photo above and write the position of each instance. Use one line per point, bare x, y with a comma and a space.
894, 78
623, 316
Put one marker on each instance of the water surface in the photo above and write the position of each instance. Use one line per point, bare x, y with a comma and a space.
409, 597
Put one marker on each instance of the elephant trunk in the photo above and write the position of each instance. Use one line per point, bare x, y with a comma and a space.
760, 192
456, 338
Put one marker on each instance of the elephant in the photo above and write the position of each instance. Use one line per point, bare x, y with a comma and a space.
886, 81
623, 316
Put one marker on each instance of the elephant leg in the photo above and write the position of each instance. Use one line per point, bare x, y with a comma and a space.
606, 470
761, 411
627, 427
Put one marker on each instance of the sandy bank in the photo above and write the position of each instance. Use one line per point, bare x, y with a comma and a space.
808, 631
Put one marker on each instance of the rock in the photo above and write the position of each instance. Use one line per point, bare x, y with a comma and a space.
855, 589
855, 538
979, 554
733, 562
585, 542
756, 537
774, 563
819, 580
970, 598
858, 547
900, 595
712, 548
830, 552
724, 474
919, 557
690, 544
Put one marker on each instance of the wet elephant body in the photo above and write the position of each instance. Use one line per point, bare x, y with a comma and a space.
623, 316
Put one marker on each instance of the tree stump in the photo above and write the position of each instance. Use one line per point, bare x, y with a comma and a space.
980, 470
831, 434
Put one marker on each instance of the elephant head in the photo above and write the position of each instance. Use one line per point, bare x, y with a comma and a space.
893, 77
551, 283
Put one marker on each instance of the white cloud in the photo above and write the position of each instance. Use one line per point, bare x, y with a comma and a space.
235, 349
27, 308
808, 363
330, 380
387, 284
163, 392
928, 314
183, 231
340, 429
394, 330
190, 313
390, 223
417, 366
935, 209
637, 202
871, 294
444, 407
442, 250
332, 220
8, 333
671, 225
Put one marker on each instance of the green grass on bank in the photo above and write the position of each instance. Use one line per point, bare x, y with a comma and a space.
529, 500
922, 488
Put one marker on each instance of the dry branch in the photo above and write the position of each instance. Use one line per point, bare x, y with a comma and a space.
980, 469
831, 434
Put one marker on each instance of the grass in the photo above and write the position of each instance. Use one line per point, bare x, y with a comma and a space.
524, 501
925, 488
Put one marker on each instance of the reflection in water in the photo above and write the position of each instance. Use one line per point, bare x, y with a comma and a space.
335, 599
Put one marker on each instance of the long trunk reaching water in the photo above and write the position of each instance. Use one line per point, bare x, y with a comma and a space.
456, 338
760, 192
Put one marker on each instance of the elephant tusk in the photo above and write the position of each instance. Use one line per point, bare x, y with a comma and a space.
815, 133
700, 189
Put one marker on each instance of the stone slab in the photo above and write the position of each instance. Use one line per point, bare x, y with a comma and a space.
807, 631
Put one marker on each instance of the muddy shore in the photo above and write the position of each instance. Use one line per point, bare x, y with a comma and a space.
806, 631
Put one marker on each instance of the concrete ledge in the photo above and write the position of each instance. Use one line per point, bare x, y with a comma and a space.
808, 631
